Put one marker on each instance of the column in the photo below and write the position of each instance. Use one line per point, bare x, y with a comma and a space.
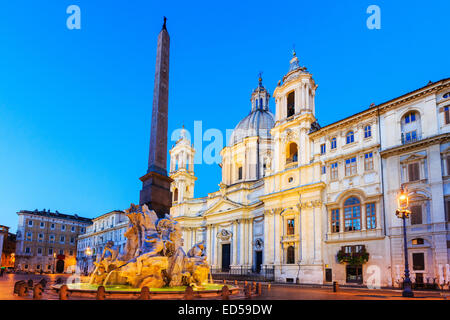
250, 242
241, 242
276, 236
235, 243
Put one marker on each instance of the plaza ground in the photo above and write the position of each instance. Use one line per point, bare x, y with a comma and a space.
275, 292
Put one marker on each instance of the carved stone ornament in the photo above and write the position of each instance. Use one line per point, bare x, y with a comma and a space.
259, 244
224, 235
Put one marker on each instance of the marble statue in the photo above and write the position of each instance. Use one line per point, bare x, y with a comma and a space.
153, 255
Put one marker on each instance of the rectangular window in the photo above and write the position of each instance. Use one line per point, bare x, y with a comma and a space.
63, 227
333, 143
416, 215
61, 251
413, 172
72, 240
29, 236
290, 227
324, 169
323, 148
52, 226
371, 216
27, 250
240, 173
335, 222
334, 171
62, 239
39, 250
368, 161
30, 223
447, 115
40, 237
51, 238
50, 251
447, 160
73, 229
350, 166
367, 132
42, 225
447, 207
418, 261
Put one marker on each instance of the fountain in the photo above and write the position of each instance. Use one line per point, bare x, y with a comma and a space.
153, 258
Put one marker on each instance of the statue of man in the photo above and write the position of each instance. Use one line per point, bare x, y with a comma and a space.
153, 245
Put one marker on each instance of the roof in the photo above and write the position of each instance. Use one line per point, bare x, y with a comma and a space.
56, 215
381, 105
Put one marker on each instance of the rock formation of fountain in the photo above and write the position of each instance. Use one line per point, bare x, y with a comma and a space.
153, 255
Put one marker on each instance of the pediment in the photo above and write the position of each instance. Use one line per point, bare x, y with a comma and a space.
414, 157
223, 205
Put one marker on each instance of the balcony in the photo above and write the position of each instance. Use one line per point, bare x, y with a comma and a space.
410, 137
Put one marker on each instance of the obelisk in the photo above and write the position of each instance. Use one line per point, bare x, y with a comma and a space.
156, 184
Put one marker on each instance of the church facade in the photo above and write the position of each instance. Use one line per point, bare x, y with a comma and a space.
317, 204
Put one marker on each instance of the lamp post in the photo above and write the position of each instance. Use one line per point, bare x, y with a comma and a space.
403, 213
88, 255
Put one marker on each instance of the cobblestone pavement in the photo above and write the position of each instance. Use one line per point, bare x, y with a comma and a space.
275, 292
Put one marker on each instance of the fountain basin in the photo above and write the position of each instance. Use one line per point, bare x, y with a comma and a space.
207, 290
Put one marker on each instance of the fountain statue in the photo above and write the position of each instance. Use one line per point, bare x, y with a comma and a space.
153, 255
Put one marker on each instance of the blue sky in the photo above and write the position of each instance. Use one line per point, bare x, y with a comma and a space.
75, 105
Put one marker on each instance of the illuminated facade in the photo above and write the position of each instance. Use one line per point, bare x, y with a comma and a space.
47, 241
317, 204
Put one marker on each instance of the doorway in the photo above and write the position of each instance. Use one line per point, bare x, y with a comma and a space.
259, 261
226, 247
60, 266
354, 274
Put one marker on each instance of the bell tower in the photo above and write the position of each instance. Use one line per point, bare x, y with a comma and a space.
182, 169
294, 118
294, 95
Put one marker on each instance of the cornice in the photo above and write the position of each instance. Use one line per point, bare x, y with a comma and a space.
445, 137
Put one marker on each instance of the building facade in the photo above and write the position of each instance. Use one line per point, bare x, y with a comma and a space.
47, 241
110, 226
7, 247
317, 204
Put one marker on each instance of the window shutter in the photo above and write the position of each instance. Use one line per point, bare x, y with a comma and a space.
447, 115
416, 215
448, 165
413, 171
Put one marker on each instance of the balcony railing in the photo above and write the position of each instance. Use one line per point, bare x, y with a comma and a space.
410, 137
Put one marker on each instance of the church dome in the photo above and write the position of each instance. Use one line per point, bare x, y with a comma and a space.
257, 124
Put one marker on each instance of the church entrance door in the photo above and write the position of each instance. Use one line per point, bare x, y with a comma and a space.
226, 257
259, 261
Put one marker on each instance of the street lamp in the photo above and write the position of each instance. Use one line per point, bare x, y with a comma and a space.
403, 213
88, 253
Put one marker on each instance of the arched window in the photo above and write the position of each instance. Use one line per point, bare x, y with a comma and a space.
291, 104
352, 214
292, 153
350, 137
410, 126
175, 195
290, 255
333, 143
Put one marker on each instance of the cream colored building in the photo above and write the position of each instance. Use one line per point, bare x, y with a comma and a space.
110, 226
294, 194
